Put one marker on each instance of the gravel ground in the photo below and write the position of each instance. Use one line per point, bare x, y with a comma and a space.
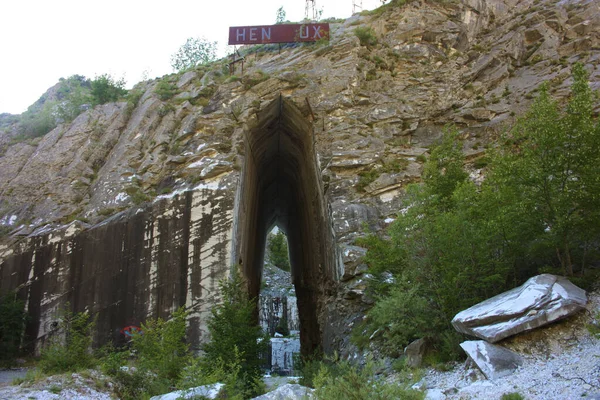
73, 386
560, 362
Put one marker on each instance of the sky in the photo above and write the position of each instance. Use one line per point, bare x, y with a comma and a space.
42, 41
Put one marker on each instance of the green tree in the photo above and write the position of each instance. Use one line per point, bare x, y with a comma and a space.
237, 342
280, 19
442, 254
195, 51
456, 243
107, 89
73, 94
277, 250
162, 351
12, 326
549, 162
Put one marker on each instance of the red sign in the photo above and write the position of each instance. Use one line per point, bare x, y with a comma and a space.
278, 33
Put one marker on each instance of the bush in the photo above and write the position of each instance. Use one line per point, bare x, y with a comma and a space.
344, 381
512, 396
456, 244
160, 357
106, 89
12, 325
237, 342
366, 36
161, 348
69, 348
165, 90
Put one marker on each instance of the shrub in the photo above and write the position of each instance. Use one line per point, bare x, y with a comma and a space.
69, 348
161, 348
455, 243
161, 356
165, 90
12, 324
512, 396
366, 36
236, 338
107, 89
344, 381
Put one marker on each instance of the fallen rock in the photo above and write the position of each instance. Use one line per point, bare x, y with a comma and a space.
414, 353
494, 361
542, 299
288, 392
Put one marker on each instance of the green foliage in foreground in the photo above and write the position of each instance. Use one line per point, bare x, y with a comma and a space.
456, 244
237, 342
512, 396
70, 347
12, 325
163, 362
344, 381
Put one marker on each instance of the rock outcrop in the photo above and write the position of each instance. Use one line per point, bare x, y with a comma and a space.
355, 125
542, 299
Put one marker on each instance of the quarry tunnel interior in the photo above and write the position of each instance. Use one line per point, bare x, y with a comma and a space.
281, 185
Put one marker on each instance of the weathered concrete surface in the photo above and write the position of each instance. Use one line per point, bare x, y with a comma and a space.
141, 264
542, 299
494, 361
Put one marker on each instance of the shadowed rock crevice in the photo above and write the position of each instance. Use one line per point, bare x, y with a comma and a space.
281, 186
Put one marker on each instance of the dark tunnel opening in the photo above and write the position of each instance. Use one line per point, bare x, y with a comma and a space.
281, 186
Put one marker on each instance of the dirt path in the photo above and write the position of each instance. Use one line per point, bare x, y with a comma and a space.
8, 375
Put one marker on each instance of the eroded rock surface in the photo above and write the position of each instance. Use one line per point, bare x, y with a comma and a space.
542, 299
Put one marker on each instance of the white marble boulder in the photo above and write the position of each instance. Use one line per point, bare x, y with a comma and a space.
494, 361
288, 392
542, 299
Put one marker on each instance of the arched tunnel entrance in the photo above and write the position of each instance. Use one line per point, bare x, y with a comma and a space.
281, 185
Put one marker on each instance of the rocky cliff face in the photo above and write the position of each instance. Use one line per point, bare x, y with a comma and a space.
169, 191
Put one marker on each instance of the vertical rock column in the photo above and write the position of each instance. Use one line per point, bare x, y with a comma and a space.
281, 185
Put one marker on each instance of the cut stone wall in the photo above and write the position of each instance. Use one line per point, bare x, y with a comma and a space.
140, 264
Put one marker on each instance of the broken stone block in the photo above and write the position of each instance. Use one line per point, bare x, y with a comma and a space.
542, 299
414, 353
494, 361
288, 392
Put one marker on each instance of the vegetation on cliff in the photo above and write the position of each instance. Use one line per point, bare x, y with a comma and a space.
456, 243
66, 100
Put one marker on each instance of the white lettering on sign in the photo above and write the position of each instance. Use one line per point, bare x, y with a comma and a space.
304, 32
317, 30
266, 33
241, 34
